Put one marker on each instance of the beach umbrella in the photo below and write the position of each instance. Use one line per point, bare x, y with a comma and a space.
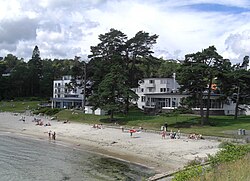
132, 130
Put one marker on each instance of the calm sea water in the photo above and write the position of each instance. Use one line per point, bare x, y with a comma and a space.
28, 159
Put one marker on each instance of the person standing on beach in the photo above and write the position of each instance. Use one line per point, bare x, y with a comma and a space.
166, 126
54, 136
178, 133
163, 134
49, 134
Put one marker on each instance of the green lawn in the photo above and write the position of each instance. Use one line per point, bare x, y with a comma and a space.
18, 106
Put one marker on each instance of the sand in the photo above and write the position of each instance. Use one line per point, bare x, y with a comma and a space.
148, 149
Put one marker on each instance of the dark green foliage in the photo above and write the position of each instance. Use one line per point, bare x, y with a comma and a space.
47, 111
35, 71
196, 75
32, 79
115, 66
188, 173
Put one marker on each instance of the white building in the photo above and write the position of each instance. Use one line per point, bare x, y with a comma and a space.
67, 96
159, 93
64, 95
163, 94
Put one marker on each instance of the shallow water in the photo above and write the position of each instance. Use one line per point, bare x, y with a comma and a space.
28, 159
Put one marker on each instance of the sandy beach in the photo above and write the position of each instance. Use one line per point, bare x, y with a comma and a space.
148, 149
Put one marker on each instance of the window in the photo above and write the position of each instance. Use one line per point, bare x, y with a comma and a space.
168, 89
163, 90
59, 84
164, 81
142, 90
151, 89
143, 99
151, 81
174, 102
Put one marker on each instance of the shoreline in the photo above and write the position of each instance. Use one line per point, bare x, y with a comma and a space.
144, 149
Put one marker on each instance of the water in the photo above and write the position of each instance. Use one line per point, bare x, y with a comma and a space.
23, 158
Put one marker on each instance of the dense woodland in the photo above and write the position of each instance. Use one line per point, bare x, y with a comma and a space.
116, 65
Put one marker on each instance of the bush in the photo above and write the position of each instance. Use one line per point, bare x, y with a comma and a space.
230, 152
47, 111
184, 110
189, 173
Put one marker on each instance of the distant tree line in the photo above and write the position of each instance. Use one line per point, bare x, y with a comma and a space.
117, 63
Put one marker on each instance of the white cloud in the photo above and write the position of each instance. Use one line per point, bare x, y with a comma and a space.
67, 28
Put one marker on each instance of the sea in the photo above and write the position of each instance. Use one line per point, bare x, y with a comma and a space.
29, 159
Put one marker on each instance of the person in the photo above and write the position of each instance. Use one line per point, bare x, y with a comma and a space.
131, 133
163, 134
178, 134
54, 136
171, 134
122, 128
166, 126
49, 134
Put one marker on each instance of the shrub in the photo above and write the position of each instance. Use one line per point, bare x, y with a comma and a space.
230, 152
189, 173
47, 111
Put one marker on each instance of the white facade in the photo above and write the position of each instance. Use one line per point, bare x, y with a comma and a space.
60, 88
162, 93
158, 93
66, 96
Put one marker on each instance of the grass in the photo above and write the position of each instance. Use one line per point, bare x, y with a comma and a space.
18, 106
236, 170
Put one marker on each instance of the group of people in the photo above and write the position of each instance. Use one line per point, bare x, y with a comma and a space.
98, 126
172, 134
39, 122
52, 135
195, 136
22, 119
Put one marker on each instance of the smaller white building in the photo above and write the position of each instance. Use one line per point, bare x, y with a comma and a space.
158, 93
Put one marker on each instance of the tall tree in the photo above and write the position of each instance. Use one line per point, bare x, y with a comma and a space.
196, 76
138, 54
235, 83
166, 68
115, 49
35, 69
214, 63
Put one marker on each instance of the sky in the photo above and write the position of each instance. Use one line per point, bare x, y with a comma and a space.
67, 28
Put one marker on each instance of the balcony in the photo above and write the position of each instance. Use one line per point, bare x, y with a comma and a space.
149, 85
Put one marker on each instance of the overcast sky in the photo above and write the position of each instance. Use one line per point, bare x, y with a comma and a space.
65, 28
